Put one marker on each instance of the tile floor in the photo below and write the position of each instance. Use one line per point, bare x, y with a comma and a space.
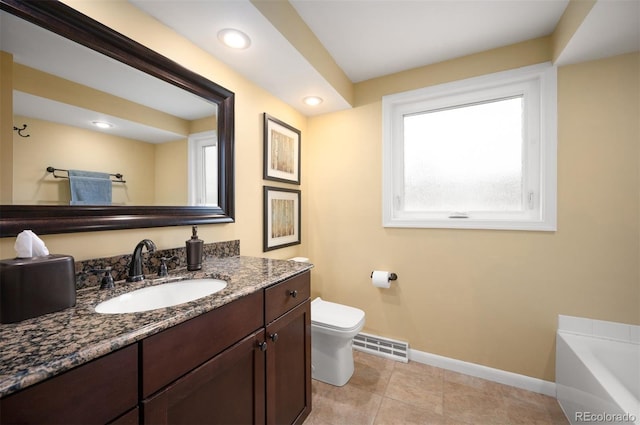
384, 391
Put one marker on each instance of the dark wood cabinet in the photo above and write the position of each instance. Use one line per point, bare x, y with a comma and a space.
228, 389
173, 352
95, 393
129, 418
247, 362
289, 366
282, 297
264, 378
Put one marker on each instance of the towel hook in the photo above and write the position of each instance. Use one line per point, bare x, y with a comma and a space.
20, 130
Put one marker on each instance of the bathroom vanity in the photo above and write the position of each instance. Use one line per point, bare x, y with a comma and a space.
242, 355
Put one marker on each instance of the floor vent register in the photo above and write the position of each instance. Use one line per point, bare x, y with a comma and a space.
383, 347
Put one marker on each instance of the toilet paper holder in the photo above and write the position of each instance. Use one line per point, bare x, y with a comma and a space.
392, 276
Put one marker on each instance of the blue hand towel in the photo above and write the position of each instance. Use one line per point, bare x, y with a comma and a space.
89, 188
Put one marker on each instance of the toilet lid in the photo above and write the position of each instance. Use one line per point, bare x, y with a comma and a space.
336, 316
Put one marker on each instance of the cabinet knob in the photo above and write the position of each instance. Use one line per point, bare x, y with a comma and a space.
293, 293
262, 346
274, 337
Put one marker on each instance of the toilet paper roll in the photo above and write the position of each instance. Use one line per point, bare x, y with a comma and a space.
380, 278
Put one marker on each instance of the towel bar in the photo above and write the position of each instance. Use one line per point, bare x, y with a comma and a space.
118, 176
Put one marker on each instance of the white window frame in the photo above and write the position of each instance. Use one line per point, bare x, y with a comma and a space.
198, 167
538, 85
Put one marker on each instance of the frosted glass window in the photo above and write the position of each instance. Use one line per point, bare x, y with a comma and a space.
210, 170
467, 158
478, 153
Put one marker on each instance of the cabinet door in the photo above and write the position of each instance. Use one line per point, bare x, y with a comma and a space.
289, 367
228, 389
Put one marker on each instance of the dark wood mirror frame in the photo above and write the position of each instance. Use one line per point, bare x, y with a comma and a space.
68, 22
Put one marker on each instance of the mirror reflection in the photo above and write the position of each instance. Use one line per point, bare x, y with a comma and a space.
160, 140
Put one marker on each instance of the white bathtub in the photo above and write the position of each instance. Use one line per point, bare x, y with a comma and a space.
598, 379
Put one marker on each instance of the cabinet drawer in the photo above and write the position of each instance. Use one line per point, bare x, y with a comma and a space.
284, 296
94, 393
177, 350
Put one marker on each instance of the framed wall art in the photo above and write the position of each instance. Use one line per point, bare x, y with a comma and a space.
281, 151
281, 217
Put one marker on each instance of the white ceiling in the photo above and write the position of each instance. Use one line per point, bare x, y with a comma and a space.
366, 38
611, 28
373, 38
370, 39
40, 49
28, 105
271, 62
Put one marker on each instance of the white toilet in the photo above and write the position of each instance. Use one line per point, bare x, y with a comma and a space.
333, 327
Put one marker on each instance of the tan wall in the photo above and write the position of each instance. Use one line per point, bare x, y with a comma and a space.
6, 130
171, 185
487, 297
203, 124
66, 147
250, 103
49, 86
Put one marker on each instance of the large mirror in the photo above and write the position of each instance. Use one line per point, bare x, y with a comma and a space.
167, 155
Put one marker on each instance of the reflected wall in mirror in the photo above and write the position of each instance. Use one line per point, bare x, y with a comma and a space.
156, 109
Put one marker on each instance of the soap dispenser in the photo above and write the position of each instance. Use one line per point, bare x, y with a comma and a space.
194, 251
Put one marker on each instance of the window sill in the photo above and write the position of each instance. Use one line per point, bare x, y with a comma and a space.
469, 223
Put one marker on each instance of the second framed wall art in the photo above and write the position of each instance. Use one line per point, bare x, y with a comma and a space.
281, 151
281, 217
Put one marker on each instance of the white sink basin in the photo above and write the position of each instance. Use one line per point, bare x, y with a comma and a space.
159, 296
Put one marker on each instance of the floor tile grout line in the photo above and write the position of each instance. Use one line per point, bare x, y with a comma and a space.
477, 387
373, 420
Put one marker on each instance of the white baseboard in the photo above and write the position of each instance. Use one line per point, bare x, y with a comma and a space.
496, 375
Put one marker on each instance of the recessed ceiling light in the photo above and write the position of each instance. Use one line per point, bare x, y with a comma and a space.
102, 124
233, 38
312, 100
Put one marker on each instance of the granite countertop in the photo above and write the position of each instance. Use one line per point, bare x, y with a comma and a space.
38, 348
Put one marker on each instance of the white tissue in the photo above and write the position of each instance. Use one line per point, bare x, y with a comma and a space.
299, 259
28, 244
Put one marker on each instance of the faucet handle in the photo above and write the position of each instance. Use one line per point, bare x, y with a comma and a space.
162, 270
107, 279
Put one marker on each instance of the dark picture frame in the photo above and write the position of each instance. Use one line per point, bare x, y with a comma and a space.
281, 151
282, 217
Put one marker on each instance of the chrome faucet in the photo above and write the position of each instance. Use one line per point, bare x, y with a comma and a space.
135, 268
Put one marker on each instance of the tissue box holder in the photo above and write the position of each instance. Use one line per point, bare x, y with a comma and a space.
31, 287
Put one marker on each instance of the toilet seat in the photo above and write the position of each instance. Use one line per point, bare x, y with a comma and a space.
335, 316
